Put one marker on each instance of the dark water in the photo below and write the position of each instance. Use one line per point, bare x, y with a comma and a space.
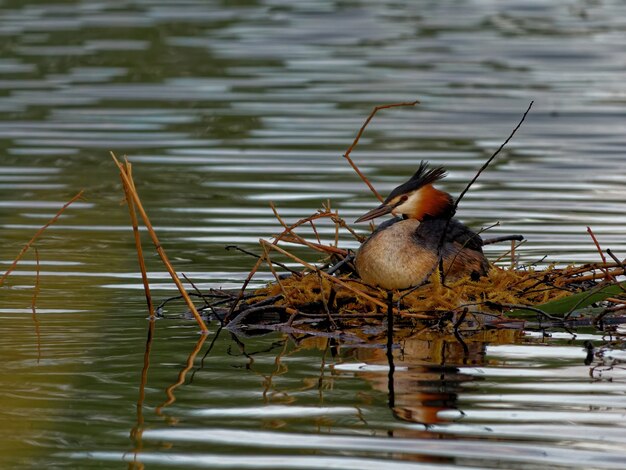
226, 106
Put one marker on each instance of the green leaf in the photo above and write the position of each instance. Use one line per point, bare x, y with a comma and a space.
574, 301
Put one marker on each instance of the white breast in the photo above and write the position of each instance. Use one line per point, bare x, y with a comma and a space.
391, 259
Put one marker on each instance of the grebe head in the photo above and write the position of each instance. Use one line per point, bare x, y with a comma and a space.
417, 198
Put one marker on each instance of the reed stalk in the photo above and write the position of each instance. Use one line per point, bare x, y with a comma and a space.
37, 235
159, 248
133, 217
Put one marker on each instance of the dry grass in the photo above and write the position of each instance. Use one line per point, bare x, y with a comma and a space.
502, 288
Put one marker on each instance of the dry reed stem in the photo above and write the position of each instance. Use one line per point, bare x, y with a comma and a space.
135, 196
327, 276
512, 255
594, 276
588, 267
36, 236
291, 237
328, 249
269, 263
193, 286
254, 255
133, 217
169, 391
562, 274
259, 261
343, 224
595, 241
603, 268
34, 309
317, 235
203, 297
504, 255
302, 241
358, 136
290, 231
336, 230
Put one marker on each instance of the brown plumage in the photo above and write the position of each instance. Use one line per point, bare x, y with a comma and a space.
403, 252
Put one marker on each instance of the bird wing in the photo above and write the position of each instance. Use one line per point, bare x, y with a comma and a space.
429, 232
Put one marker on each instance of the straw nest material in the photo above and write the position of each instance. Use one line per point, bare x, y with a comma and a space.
501, 289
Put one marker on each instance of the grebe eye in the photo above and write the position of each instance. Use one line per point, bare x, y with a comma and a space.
404, 198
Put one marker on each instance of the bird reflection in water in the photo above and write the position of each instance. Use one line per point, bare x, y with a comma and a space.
428, 378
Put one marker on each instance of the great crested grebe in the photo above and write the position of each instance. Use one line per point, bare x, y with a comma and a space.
403, 252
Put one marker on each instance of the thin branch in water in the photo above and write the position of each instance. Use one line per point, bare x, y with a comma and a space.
268, 261
254, 255
224, 299
343, 224
336, 231
595, 241
533, 309
37, 235
317, 235
512, 267
358, 136
194, 287
201, 295
504, 238
469, 185
604, 269
239, 319
127, 180
257, 265
494, 155
592, 277
133, 217
296, 237
615, 258
34, 309
509, 251
333, 269
327, 249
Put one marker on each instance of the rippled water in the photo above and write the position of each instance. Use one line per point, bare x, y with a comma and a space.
226, 106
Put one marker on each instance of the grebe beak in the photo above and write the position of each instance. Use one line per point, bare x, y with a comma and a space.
377, 212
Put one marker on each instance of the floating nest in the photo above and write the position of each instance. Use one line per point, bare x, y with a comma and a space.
311, 293
328, 296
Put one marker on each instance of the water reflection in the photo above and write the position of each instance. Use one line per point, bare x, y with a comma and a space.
137, 431
439, 393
